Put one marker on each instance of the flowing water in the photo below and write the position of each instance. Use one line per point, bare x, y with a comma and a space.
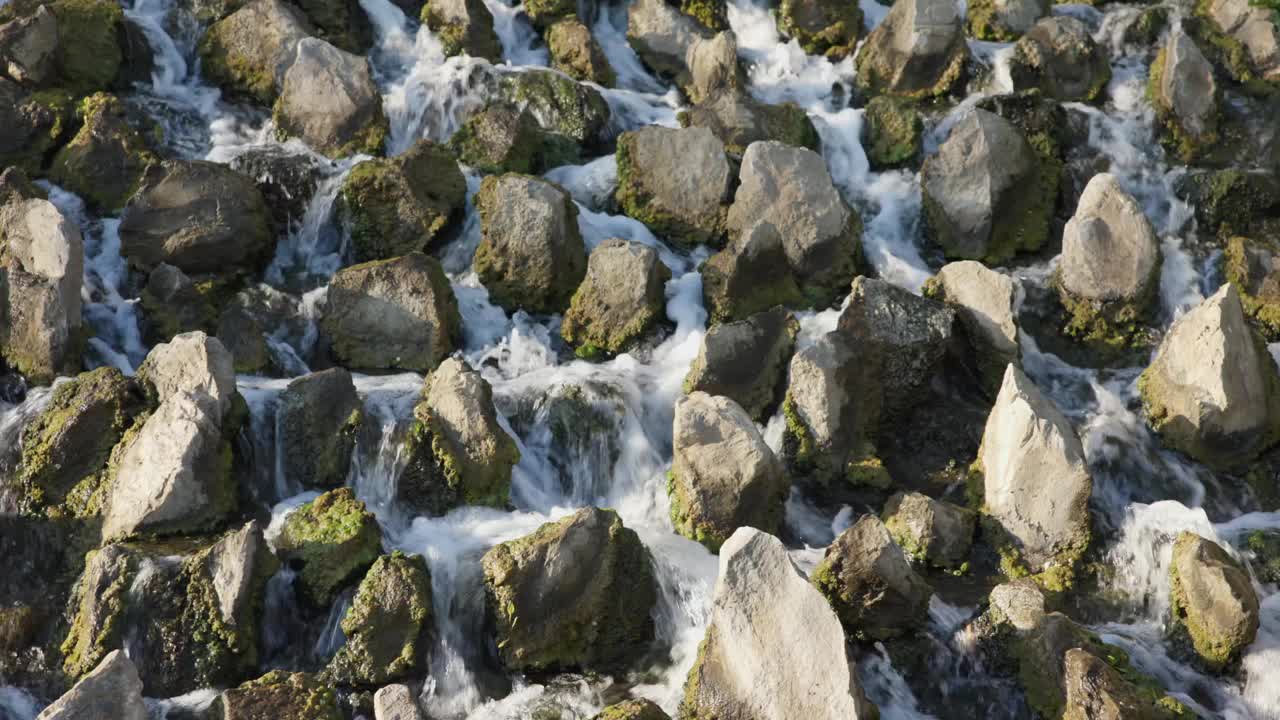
618, 454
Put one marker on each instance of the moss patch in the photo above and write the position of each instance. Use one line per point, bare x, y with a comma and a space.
334, 538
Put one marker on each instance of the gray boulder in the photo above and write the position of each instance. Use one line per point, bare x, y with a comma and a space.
1185, 94
389, 626
189, 363
464, 27
1004, 20
396, 702
48, 244
1213, 599
986, 301
502, 137
826, 428
930, 531
676, 181
576, 53
770, 626
560, 104
318, 418
105, 161
830, 29
1254, 28
112, 690
986, 192
768, 337
29, 47
675, 45
744, 278
399, 313
739, 119
249, 51
918, 50
329, 100
531, 255
1059, 57
619, 302
870, 583
723, 475
281, 695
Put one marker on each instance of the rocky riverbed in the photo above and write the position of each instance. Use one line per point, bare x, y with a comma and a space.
629, 360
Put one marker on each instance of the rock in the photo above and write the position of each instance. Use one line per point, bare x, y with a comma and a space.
464, 27
1213, 598
1110, 264
531, 255
917, 51
32, 125
1059, 57
986, 301
330, 541
329, 100
280, 695
29, 48
389, 626
1252, 29
790, 188
396, 702
769, 337
619, 302
576, 54
893, 130
104, 163
830, 29
633, 710
676, 181
1185, 95
398, 313
287, 179
343, 23
714, 68
197, 216
319, 417
190, 363
723, 475
111, 690
175, 475
502, 138
244, 338
1094, 689
559, 104
870, 583
774, 648
1211, 389
544, 13
249, 51
1020, 602
740, 120
576, 593
399, 205
675, 45
1004, 20
459, 454
172, 303
46, 243
743, 279
930, 531
826, 430
987, 195
1036, 482
93, 61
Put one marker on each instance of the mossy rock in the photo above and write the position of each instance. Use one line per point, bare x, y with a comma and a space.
280, 695
389, 625
92, 59
1111, 329
633, 710
829, 28
544, 13
893, 128
106, 161
710, 14
333, 539
42, 121
575, 53
1249, 265
560, 104
1232, 201
1183, 145
1264, 545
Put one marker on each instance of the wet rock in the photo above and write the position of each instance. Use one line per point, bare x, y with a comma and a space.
1095, 689
1004, 20
893, 130
97, 607
531, 255
986, 302
1232, 201
288, 180
930, 531
830, 29
1036, 483
389, 626
675, 45
1253, 31
723, 475
1059, 57
544, 13
619, 302
1213, 599
280, 695
29, 48
560, 104
111, 690
396, 702
714, 68
402, 204
918, 50
576, 593
248, 52
398, 313
740, 120
826, 430
93, 60
676, 181
329, 100
502, 137
459, 454
987, 194
32, 125
105, 161
173, 303
1211, 390
769, 338
633, 710
870, 583
464, 27
330, 541
575, 53
244, 338
192, 362
343, 23
791, 189
319, 417
743, 279
197, 216
769, 624
1185, 95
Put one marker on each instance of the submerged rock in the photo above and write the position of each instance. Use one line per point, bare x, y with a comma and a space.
1213, 598
330, 541
676, 181
768, 337
1185, 95
870, 583
619, 302
986, 302
930, 531
318, 419
464, 27
280, 695
329, 100
249, 51
917, 51
105, 161
1059, 57
388, 628
112, 690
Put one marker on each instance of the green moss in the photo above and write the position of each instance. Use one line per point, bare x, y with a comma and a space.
232, 70
798, 441
1023, 222
282, 695
388, 625
1185, 146
684, 522
1237, 270
86, 644
544, 13
104, 163
876, 74
395, 206
983, 23
93, 60
562, 105
830, 29
334, 538
1225, 51
868, 472
710, 14
894, 129
1109, 328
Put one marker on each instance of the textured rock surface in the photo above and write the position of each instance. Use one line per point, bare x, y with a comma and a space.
318, 419
620, 300
249, 51
1109, 249
1004, 20
831, 29
1059, 57
464, 27
576, 53
1213, 598
1185, 93
280, 695
768, 338
870, 583
105, 161
919, 50
929, 530
744, 278
1254, 29
388, 628
111, 690
676, 181
396, 702
986, 302
329, 100
332, 539
189, 363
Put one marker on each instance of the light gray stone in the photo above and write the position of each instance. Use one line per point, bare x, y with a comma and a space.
329, 100
918, 50
1059, 57
619, 302
396, 702
1187, 89
676, 181
1109, 249
48, 244
1255, 28
1213, 598
191, 362
929, 530
986, 302
112, 690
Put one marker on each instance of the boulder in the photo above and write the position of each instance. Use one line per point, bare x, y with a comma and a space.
633, 710
930, 531
344, 23
743, 279
544, 13
774, 648
248, 52
1250, 28
531, 255
464, 27
329, 100
723, 475
399, 205
32, 125
93, 61
676, 181
1185, 95
280, 695
826, 430
1004, 20
575, 594
1059, 57
1254, 268
1036, 482
104, 163
389, 626
822, 27
112, 690
1094, 689
331, 541
986, 301
1211, 392
502, 138
48, 244
620, 301
987, 194
287, 179
1109, 272
791, 189
560, 104
673, 44
768, 337
245, 339
398, 313
318, 419
870, 582
396, 702
190, 363
29, 48
1213, 599
576, 54
893, 132
197, 216
458, 452
173, 304
739, 120
96, 608
917, 51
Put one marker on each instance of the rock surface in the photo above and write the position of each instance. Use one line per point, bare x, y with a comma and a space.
329, 100
280, 695
1213, 599
575, 53
29, 47
676, 181
332, 540
743, 279
189, 363
105, 161
1254, 29
1004, 20
388, 628
619, 302
1059, 57
929, 530
758, 386
830, 29
918, 50
111, 690
249, 51
464, 27
396, 702
870, 583
986, 302
318, 418
1185, 94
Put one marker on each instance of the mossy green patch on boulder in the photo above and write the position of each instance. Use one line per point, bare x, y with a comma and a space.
1212, 598
830, 28
1265, 548
544, 13
893, 128
333, 539
97, 609
388, 627
560, 104
280, 695
633, 710
1250, 266
35, 125
105, 162
90, 53
577, 54
463, 26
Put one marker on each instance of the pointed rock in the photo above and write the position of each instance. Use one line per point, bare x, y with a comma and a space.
870, 583
918, 50
112, 690
1213, 598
